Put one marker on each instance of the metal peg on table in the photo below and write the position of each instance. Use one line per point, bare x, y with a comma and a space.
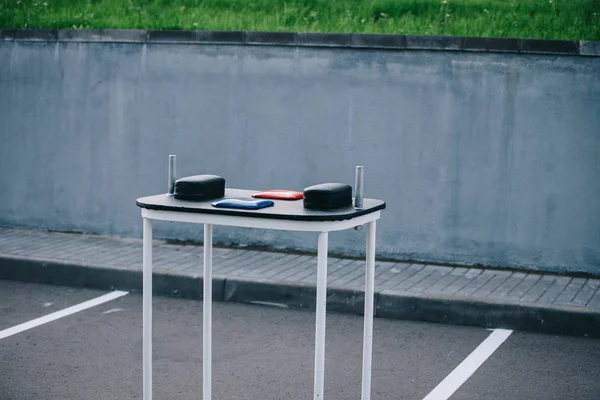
359, 191
359, 187
172, 173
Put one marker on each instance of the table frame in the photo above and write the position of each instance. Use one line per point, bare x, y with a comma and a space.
321, 227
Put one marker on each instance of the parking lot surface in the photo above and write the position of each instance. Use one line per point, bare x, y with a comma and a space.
265, 353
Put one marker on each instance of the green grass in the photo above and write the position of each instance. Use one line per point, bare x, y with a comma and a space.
545, 19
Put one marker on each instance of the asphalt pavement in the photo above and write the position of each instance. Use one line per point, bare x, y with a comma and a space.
264, 353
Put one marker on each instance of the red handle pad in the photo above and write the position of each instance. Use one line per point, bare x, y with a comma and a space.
279, 195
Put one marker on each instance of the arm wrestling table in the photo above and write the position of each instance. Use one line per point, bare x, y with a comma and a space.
284, 215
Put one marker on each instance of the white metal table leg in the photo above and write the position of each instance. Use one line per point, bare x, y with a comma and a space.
207, 313
321, 311
368, 323
147, 308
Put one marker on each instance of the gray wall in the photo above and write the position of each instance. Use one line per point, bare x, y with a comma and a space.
483, 158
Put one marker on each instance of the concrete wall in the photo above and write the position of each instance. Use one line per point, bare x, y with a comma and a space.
482, 157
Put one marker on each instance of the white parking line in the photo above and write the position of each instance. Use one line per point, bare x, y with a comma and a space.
62, 313
465, 369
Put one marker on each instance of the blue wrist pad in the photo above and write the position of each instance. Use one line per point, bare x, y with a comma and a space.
246, 203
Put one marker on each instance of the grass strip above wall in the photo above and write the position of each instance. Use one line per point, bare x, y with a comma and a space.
540, 19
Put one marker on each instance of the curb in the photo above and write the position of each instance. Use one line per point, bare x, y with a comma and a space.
306, 39
54, 272
490, 314
292, 295
388, 304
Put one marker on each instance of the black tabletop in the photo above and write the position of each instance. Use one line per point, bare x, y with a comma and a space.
283, 209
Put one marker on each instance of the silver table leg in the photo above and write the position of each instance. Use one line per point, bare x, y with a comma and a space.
147, 308
207, 313
321, 310
368, 324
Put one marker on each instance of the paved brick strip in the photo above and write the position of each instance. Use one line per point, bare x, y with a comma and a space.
399, 284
